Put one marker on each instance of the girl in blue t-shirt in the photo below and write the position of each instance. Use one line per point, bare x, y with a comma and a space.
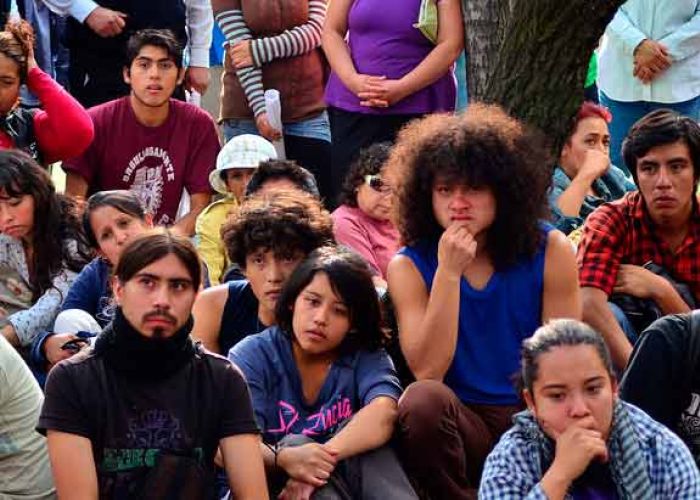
324, 392
111, 219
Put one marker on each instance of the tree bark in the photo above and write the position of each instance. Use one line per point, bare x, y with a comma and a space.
541, 64
484, 27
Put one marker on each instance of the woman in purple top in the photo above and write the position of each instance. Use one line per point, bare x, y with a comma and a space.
387, 72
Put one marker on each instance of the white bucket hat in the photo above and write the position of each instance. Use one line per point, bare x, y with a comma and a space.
242, 151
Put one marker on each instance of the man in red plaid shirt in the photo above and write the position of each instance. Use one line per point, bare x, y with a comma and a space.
659, 223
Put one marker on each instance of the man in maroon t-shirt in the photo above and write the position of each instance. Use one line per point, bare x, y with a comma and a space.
146, 141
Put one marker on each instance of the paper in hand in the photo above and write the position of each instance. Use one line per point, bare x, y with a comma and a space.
273, 108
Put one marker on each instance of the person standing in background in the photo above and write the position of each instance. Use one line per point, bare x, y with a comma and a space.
164, 145
97, 35
275, 44
649, 59
385, 71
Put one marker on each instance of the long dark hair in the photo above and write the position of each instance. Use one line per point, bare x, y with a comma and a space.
57, 239
351, 280
154, 245
125, 201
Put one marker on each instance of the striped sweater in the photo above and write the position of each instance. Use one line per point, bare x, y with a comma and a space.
292, 42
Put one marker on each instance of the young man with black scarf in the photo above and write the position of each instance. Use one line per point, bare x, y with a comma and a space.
141, 414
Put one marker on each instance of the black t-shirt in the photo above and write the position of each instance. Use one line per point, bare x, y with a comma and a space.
660, 380
130, 422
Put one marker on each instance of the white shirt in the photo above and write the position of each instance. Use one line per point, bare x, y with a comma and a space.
200, 22
674, 23
25, 471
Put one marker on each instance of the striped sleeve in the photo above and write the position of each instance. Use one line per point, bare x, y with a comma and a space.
293, 42
235, 30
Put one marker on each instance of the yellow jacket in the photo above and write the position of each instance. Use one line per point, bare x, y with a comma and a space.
208, 237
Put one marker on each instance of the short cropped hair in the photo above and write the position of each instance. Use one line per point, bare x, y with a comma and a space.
659, 128
484, 147
285, 222
282, 169
154, 245
162, 38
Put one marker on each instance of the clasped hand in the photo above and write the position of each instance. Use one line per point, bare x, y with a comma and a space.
377, 91
310, 463
651, 58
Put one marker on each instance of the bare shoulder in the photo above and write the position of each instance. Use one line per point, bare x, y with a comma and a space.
558, 246
207, 312
404, 279
213, 297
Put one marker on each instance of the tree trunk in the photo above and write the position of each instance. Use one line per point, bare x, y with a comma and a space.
484, 27
541, 65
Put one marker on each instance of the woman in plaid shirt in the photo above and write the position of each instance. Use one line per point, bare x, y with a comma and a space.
577, 440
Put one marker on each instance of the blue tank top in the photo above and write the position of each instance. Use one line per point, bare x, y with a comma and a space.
240, 316
493, 322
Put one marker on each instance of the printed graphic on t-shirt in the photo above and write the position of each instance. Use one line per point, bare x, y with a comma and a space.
690, 426
323, 422
148, 433
147, 173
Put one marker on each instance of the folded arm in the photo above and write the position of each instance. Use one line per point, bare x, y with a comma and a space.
293, 42
235, 30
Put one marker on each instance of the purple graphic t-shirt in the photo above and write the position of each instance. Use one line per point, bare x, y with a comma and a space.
155, 162
353, 381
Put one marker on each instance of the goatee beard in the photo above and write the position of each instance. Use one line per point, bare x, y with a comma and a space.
159, 333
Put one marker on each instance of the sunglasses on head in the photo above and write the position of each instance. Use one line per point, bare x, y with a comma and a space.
376, 183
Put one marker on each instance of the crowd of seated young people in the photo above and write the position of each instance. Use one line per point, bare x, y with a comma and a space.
459, 221
303, 322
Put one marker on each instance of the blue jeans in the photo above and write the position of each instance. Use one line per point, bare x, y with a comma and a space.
317, 127
624, 323
307, 142
625, 114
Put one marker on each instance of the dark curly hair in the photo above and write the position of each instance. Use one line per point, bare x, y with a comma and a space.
369, 162
484, 147
57, 238
285, 222
351, 280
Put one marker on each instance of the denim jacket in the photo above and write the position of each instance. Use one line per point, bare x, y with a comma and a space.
610, 186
